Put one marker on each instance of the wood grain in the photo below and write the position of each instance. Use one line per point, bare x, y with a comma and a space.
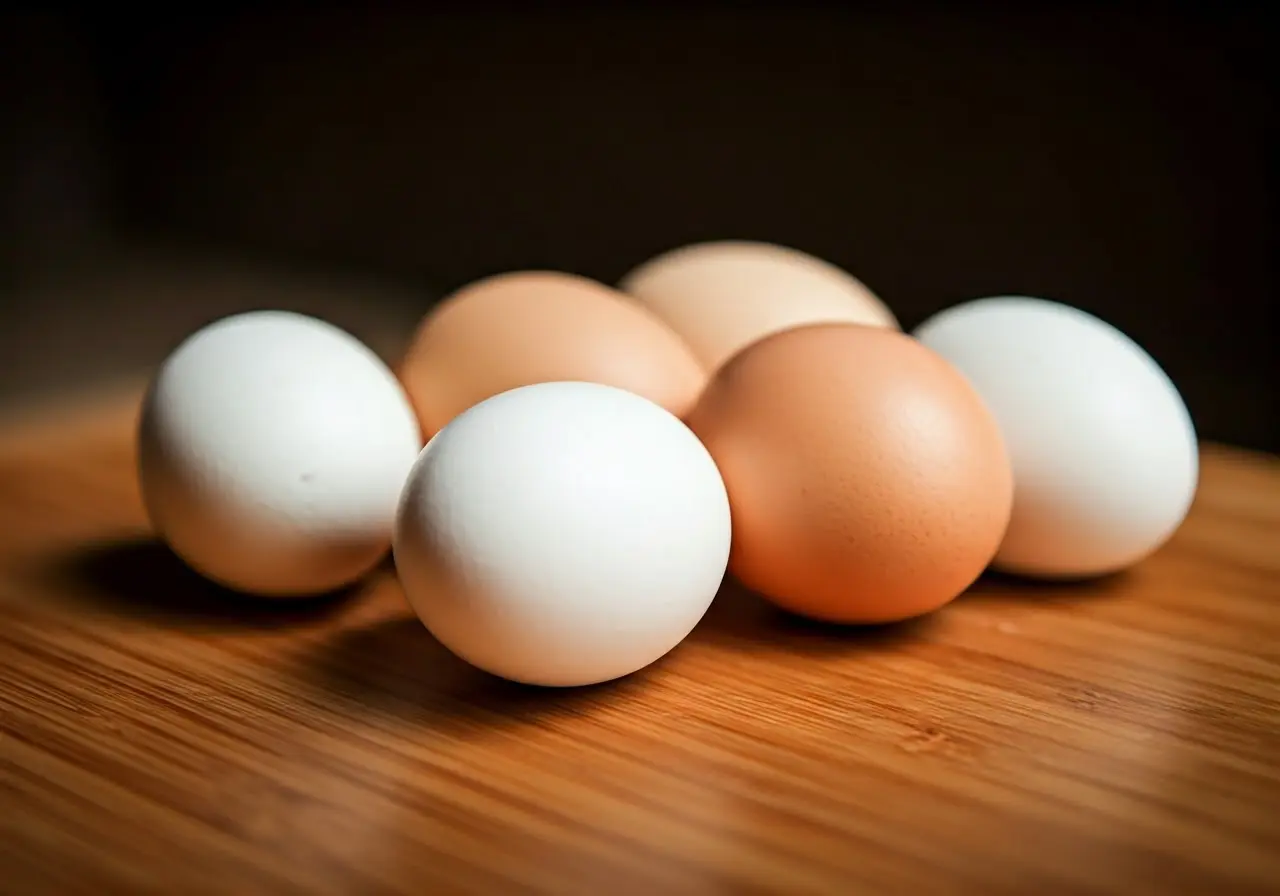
160, 736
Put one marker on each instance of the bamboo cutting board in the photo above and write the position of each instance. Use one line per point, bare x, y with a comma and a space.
160, 736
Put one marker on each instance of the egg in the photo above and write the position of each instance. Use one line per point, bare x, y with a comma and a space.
868, 481
722, 296
272, 449
563, 534
528, 327
1104, 452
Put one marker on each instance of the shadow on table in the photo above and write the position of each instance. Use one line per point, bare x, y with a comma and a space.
142, 579
741, 619
395, 667
746, 621
993, 585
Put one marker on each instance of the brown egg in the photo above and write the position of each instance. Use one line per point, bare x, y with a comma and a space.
722, 296
529, 327
868, 482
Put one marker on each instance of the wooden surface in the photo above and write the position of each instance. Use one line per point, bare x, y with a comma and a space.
157, 736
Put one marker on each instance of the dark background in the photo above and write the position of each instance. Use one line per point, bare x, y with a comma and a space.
158, 170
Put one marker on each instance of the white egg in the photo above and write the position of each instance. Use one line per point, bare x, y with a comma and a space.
272, 450
1104, 453
563, 534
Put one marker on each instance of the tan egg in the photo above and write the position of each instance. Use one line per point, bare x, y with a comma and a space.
722, 296
527, 327
867, 480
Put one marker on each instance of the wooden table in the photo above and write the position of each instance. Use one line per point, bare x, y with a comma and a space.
158, 736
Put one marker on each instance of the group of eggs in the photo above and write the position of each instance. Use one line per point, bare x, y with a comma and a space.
595, 458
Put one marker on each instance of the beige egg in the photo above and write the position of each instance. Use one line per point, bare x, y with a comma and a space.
722, 296
527, 327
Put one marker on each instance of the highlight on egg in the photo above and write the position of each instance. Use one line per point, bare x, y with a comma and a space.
867, 479
1104, 452
272, 448
721, 296
527, 327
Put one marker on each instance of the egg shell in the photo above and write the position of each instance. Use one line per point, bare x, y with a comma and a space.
272, 448
1104, 452
868, 481
528, 327
722, 296
563, 534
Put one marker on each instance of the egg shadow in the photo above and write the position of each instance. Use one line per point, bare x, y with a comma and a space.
1004, 587
396, 668
744, 620
142, 579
